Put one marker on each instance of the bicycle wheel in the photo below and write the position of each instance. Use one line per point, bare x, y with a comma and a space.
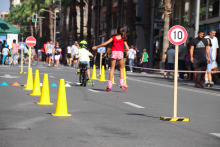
84, 79
34, 60
80, 78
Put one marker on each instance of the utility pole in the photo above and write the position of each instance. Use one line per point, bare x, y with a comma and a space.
152, 35
197, 18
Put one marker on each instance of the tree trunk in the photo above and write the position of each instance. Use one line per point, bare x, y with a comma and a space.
147, 24
108, 19
167, 12
32, 31
74, 20
81, 20
119, 13
70, 23
131, 15
89, 24
51, 23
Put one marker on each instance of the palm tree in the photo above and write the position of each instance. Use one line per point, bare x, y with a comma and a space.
108, 19
147, 23
89, 24
74, 2
166, 16
81, 19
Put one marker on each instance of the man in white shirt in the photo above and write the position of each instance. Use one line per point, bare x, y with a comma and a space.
75, 48
215, 46
49, 52
131, 54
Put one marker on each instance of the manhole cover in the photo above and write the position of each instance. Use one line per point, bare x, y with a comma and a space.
20, 128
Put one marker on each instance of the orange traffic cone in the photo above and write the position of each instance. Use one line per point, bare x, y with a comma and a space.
16, 84
61, 107
45, 94
36, 89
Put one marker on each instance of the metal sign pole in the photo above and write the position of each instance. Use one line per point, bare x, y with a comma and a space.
22, 61
175, 82
29, 62
100, 63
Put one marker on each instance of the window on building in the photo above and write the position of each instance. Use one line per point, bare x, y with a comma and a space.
177, 14
185, 18
213, 8
202, 12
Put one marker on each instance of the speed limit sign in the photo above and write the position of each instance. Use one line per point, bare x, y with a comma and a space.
177, 35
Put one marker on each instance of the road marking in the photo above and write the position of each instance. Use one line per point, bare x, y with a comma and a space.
93, 90
134, 105
169, 86
41, 67
68, 82
4, 66
215, 134
51, 76
9, 76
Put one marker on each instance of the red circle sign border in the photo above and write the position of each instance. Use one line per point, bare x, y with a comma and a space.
27, 43
179, 27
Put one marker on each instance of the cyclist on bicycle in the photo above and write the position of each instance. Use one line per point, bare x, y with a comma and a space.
84, 57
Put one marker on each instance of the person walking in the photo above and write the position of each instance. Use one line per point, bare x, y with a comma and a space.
181, 60
198, 50
69, 54
49, 51
57, 54
75, 48
108, 58
208, 74
43, 52
144, 59
117, 54
14, 52
170, 60
131, 55
5, 51
188, 61
215, 47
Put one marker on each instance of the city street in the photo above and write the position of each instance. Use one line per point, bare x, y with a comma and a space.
107, 119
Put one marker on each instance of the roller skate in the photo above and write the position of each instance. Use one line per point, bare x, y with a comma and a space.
109, 86
123, 86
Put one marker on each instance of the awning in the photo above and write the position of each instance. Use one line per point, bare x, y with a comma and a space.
6, 28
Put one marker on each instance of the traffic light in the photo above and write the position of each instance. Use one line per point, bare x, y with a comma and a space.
34, 18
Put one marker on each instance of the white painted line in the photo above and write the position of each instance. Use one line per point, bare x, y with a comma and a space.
215, 134
4, 66
169, 86
67, 85
93, 90
134, 105
68, 82
51, 76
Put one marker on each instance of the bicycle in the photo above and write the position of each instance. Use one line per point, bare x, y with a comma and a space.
83, 77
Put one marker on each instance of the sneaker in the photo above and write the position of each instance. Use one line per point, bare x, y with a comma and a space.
123, 86
77, 73
207, 84
49, 65
89, 81
109, 86
211, 84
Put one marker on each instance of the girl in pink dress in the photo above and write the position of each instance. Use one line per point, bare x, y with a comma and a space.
117, 53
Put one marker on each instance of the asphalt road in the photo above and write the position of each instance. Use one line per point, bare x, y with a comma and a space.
108, 119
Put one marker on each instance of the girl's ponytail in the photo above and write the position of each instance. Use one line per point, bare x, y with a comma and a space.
122, 32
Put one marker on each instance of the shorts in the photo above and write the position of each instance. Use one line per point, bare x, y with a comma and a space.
85, 62
198, 63
170, 66
68, 55
209, 67
188, 63
49, 54
117, 55
57, 57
